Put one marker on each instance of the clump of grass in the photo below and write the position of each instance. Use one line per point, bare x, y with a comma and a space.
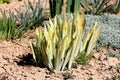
14, 26
83, 58
68, 75
8, 27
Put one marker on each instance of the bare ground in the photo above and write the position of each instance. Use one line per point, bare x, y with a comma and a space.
16, 62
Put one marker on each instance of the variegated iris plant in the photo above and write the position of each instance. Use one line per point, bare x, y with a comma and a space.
61, 41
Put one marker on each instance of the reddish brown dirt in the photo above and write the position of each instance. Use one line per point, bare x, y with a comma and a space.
15, 66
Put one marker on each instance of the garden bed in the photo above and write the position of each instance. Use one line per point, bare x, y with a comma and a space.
16, 62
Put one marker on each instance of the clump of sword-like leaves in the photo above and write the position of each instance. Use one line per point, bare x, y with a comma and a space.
72, 6
60, 42
31, 17
88, 43
98, 7
8, 27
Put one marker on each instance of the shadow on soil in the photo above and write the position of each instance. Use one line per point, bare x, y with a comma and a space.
26, 60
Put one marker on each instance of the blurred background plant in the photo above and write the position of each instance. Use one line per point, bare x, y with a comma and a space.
56, 6
113, 78
73, 6
4, 1
83, 58
110, 31
31, 17
68, 75
98, 7
19, 0
8, 28
17, 24
117, 9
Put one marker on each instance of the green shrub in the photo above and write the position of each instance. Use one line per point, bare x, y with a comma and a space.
55, 7
83, 58
61, 41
